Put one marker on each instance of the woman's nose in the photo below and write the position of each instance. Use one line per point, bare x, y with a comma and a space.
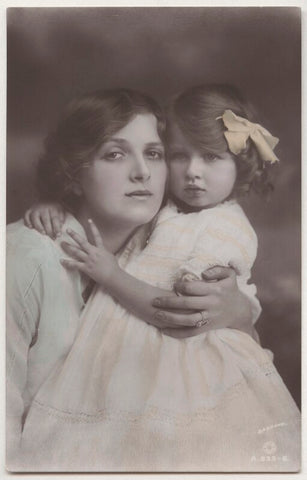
194, 168
140, 170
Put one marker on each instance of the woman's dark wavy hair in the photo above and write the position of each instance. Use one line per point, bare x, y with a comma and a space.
197, 113
87, 123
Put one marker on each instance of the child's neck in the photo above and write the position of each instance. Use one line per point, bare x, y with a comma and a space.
186, 208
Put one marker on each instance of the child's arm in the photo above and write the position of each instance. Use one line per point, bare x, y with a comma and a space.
47, 218
223, 301
133, 294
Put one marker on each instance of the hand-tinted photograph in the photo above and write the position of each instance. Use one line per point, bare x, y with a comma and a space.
153, 239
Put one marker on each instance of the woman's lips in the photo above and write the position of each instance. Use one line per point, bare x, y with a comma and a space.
139, 194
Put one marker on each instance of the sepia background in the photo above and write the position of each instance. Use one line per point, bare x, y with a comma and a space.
57, 53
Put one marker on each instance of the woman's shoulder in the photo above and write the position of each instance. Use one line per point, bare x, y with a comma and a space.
27, 253
31, 255
21, 238
28, 245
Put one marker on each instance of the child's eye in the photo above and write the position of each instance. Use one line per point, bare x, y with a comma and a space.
155, 154
211, 157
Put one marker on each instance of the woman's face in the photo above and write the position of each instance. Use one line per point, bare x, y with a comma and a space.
124, 185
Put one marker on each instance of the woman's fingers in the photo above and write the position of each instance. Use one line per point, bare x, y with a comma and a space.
197, 288
183, 303
74, 251
218, 273
175, 320
84, 244
96, 234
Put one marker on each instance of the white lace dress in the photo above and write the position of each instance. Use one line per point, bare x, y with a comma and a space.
129, 398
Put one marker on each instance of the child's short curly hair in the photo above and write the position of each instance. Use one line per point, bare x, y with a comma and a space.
198, 111
87, 123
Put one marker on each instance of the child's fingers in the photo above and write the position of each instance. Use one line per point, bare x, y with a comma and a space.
62, 216
72, 264
96, 234
46, 221
37, 223
27, 219
84, 244
56, 225
74, 251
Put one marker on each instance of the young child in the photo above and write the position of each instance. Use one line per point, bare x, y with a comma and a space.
210, 402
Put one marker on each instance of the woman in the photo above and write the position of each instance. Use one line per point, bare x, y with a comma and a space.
45, 301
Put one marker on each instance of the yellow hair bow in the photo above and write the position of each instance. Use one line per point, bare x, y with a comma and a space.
240, 129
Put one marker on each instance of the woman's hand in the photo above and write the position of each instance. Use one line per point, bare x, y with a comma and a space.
217, 296
95, 261
46, 218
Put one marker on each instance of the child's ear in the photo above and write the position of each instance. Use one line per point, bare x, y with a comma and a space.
76, 188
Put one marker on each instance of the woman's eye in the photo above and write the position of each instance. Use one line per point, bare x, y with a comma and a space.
116, 155
155, 154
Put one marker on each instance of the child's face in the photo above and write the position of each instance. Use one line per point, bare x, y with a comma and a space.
199, 180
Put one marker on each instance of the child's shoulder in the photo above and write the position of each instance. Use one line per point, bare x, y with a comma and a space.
229, 216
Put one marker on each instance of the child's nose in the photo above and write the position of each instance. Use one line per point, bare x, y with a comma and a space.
194, 168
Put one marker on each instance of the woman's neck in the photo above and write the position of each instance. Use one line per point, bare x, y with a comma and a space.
114, 236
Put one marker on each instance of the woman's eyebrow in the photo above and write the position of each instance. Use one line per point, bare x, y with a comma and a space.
154, 144
123, 141
118, 140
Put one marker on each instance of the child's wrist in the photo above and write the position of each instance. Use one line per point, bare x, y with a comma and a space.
110, 273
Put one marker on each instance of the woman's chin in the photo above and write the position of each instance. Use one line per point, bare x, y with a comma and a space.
141, 215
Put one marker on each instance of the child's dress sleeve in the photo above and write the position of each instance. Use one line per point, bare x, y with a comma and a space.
227, 239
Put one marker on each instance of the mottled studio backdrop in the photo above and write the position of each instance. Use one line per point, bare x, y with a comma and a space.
56, 53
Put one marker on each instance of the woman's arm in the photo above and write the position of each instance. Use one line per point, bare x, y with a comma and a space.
227, 240
218, 295
225, 305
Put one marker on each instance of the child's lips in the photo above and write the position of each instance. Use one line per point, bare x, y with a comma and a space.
194, 188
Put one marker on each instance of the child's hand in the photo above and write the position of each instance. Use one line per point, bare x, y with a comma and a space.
46, 218
93, 260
